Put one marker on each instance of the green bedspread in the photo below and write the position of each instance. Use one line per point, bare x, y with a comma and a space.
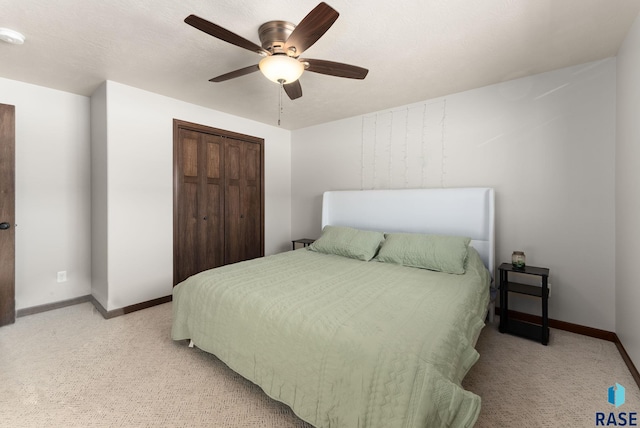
344, 343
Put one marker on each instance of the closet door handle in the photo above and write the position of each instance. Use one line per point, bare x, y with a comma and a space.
4, 226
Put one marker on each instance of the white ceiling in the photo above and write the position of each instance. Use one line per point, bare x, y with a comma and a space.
414, 49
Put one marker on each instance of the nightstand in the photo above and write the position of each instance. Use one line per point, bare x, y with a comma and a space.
304, 241
517, 327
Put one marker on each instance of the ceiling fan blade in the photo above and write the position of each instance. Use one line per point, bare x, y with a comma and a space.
235, 73
293, 90
223, 34
335, 69
311, 28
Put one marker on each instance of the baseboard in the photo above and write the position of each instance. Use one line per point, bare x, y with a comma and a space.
128, 309
627, 360
89, 298
583, 330
563, 325
51, 306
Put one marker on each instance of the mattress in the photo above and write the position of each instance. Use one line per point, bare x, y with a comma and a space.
343, 342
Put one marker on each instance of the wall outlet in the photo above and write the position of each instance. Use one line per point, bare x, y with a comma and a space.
62, 276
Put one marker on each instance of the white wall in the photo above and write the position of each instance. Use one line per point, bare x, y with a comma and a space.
139, 162
627, 194
546, 143
99, 220
52, 193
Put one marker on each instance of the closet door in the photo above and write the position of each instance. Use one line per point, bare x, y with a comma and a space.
243, 201
199, 227
218, 201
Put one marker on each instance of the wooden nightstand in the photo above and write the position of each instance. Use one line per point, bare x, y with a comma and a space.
517, 327
304, 241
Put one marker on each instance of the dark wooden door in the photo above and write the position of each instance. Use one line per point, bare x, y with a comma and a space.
7, 215
218, 198
243, 183
200, 204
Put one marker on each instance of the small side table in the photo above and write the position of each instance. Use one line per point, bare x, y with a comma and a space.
517, 327
304, 241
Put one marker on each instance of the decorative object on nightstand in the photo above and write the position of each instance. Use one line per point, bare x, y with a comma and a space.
304, 241
517, 327
518, 260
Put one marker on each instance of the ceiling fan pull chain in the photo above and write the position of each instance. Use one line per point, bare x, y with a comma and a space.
280, 100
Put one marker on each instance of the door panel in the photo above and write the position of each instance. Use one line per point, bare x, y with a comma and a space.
214, 156
200, 225
7, 215
186, 228
213, 185
234, 245
233, 227
188, 262
243, 186
189, 153
252, 202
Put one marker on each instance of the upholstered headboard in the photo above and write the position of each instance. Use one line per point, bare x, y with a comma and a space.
457, 211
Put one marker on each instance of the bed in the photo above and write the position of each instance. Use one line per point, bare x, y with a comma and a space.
362, 339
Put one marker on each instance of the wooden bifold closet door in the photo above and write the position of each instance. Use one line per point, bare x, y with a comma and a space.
218, 198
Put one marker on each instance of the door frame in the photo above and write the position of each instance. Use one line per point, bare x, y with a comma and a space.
7, 214
190, 126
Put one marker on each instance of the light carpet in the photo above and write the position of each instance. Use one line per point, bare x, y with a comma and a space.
70, 367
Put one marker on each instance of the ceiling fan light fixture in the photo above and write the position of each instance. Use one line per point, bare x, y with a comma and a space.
281, 68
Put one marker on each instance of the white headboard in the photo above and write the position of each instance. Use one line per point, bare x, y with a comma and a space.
455, 211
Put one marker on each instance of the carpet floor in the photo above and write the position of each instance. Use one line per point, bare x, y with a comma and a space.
70, 367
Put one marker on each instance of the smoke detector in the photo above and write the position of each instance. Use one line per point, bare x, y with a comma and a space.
10, 36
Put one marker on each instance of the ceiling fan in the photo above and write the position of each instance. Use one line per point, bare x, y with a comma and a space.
282, 45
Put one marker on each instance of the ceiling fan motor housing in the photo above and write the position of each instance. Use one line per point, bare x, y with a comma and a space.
274, 34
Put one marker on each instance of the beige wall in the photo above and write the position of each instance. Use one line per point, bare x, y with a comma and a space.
628, 194
52, 193
546, 143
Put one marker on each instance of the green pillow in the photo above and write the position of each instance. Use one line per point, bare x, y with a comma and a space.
348, 242
434, 252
